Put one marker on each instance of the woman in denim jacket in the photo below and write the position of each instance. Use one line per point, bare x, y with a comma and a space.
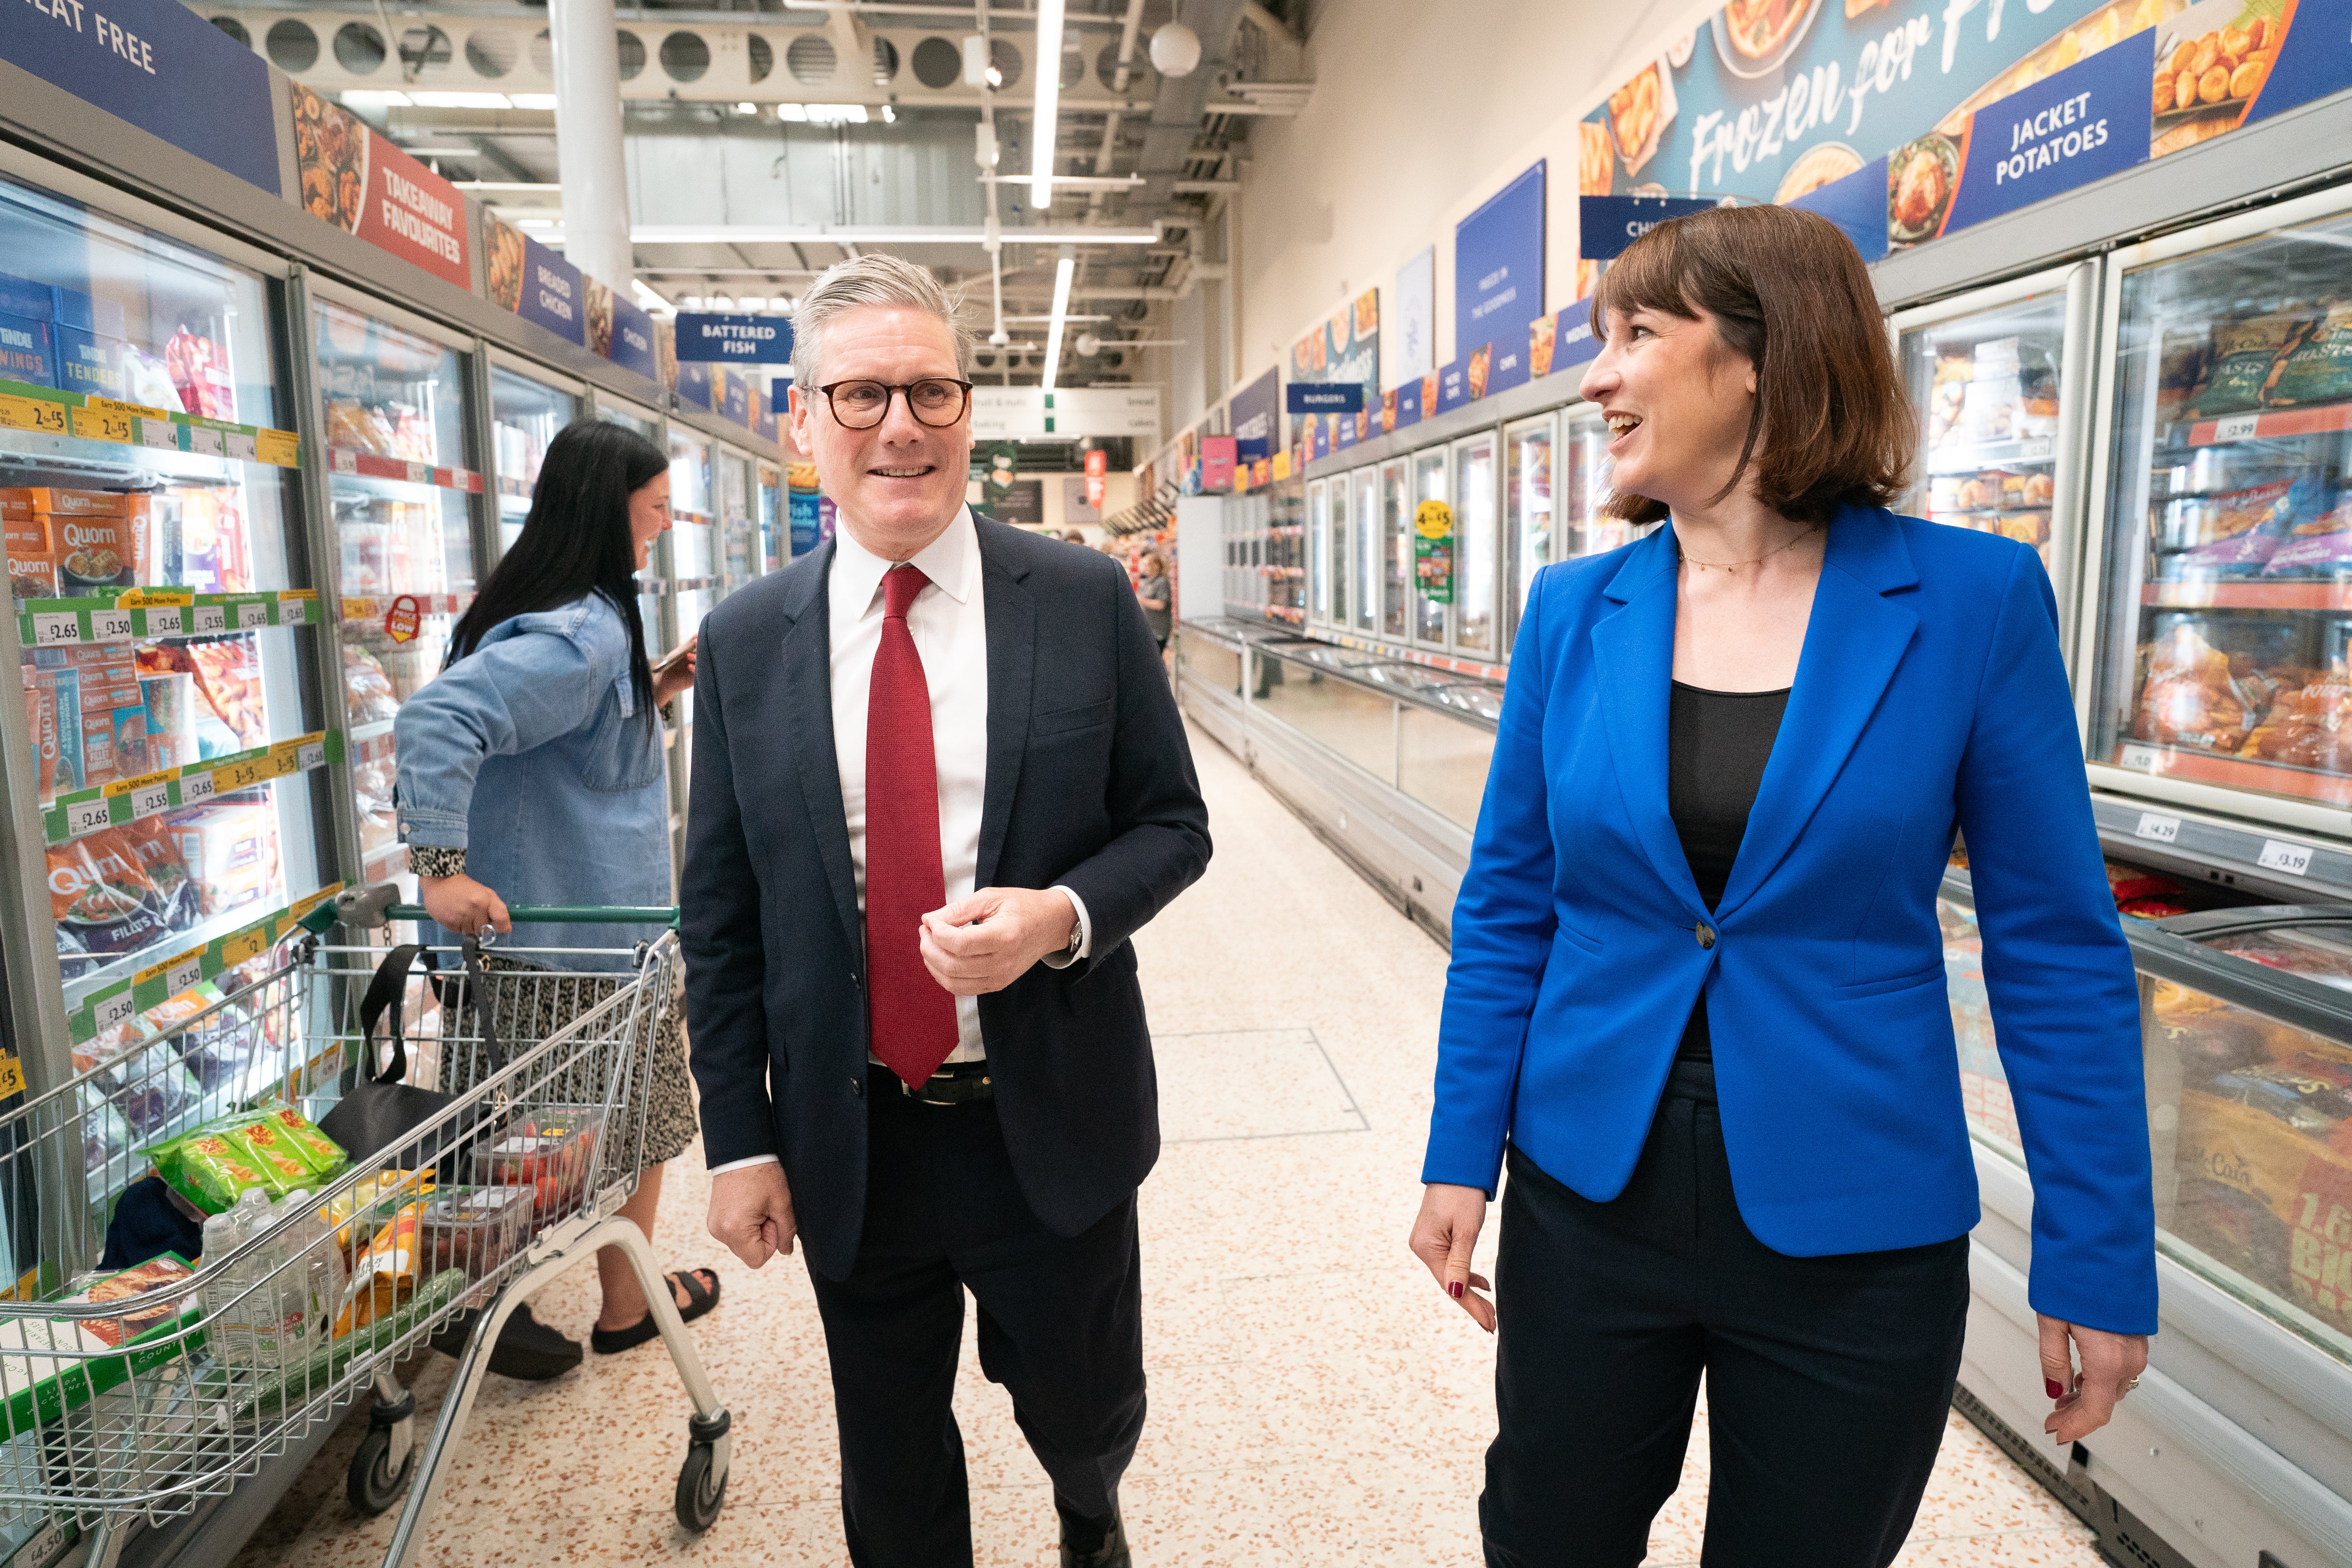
530, 769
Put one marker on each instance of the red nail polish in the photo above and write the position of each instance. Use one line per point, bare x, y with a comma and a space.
2051, 1386
1454, 1289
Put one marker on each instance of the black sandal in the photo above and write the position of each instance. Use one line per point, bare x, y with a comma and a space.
700, 1299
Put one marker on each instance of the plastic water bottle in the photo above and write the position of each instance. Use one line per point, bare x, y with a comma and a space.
314, 1275
242, 1321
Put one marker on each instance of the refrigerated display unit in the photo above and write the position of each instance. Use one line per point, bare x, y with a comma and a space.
2002, 379
774, 520
168, 745
391, 391
527, 407
739, 544
685, 560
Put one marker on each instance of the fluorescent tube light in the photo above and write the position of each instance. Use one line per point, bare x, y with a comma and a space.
1047, 64
545, 100
367, 98
1062, 271
460, 100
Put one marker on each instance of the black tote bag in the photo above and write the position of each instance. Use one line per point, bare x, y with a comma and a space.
381, 1109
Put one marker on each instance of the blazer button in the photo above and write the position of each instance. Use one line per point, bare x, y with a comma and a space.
1706, 934
857, 1087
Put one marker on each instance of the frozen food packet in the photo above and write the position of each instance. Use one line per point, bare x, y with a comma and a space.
2319, 549
383, 1274
321, 1152
210, 1173
2319, 368
339, 1212
2247, 355
270, 1153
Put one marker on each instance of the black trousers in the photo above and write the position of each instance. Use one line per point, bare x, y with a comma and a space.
1828, 1379
1061, 1328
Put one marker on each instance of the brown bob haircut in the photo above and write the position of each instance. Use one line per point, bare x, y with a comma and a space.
1789, 295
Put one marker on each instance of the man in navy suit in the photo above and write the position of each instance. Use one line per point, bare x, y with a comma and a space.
939, 783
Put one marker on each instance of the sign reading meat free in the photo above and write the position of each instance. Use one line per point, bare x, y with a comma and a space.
1904, 120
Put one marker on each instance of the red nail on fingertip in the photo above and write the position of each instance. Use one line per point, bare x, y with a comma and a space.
1454, 1289
2051, 1386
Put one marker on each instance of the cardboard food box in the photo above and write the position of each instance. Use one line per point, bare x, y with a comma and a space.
53, 1364
98, 747
75, 308
41, 717
32, 564
230, 850
23, 297
89, 363
26, 352
95, 551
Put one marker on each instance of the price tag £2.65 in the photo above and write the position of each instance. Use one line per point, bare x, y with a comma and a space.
165, 620
85, 817
252, 613
56, 628
195, 787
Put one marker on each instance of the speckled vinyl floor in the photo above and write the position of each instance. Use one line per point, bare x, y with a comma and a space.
1314, 1398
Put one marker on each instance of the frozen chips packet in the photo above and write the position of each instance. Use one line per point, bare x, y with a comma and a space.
212, 1173
267, 1153
321, 1152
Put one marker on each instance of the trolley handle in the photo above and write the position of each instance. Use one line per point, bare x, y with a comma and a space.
373, 907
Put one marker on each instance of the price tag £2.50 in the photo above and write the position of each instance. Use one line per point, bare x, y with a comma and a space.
184, 972
110, 626
108, 1012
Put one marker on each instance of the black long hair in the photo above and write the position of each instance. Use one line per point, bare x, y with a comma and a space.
576, 541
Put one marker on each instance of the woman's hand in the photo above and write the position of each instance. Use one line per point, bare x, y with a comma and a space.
1443, 1233
2086, 1400
677, 673
463, 905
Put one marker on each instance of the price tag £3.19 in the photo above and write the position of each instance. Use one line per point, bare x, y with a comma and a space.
2279, 855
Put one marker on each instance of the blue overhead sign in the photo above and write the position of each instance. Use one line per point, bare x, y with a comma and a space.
633, 340
160, 66
1605, 225
1325, 398
2089, 120
1499, 265
1250, 417
714, 339
553, 293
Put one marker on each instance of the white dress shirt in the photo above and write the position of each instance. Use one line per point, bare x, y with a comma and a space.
948, 623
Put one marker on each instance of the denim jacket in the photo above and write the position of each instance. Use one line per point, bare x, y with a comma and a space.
528, 754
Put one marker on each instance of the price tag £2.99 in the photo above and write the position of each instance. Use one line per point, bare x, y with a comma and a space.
85, 817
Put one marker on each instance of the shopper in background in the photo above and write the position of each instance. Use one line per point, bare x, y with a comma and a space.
1154, 592
1696, 997
937, 787
1074, 536
530, 770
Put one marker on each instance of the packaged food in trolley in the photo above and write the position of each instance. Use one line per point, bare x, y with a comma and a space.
550, 1149
476, 1229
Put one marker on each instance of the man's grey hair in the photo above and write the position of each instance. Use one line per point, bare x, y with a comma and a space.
876, 280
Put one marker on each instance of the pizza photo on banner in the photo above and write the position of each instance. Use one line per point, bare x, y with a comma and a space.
1906, 119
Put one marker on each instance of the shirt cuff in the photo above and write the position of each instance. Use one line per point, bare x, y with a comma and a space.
741, 1164
1065, 958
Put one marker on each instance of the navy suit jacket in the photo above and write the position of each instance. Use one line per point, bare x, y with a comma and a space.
1090, 785
1930, 695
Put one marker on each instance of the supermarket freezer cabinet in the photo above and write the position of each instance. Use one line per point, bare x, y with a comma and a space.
2239, 1441
167, 747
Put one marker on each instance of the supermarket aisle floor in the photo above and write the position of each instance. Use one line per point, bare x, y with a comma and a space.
1314, 1399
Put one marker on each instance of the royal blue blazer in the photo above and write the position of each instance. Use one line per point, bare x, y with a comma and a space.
1930, 696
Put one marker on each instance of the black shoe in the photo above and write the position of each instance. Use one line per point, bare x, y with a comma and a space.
527, 1348
1110, 1551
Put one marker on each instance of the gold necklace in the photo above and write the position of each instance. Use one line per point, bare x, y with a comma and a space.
1733, 567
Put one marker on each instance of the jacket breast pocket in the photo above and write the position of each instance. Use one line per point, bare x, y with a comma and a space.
619, 753
1932, 974
1061, 721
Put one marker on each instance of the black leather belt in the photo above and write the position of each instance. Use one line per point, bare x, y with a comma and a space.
957, 1083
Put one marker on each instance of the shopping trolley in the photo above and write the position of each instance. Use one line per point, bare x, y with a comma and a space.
120, 1405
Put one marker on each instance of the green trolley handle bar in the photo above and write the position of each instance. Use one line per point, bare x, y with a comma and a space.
373, 907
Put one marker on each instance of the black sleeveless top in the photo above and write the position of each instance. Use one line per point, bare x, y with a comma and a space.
1717, 745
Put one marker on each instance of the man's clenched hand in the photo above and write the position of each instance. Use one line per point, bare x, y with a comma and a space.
752, 1212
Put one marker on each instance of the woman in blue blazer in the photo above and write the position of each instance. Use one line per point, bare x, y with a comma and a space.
1696, 999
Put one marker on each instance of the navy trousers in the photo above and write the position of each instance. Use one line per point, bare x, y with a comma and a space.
1828, 1379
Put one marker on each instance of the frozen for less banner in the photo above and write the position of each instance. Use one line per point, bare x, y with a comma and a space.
1904, 119
365, 186
1343, 351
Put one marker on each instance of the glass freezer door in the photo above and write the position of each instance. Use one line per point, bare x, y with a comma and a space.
1396, 549
395, 414
1527, 514
1335, 560
1364, 551
178, 754
1998, 399
1474, 544
738, 562
525, 414
776, 531
1429, 610
2226, 615
691, 532
1318, 538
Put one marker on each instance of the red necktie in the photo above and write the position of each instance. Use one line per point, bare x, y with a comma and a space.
913, 1016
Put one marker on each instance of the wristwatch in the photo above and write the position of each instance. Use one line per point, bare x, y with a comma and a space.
1077, 940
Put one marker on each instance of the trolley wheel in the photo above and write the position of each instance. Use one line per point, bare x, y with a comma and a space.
375, 1484
701, 1487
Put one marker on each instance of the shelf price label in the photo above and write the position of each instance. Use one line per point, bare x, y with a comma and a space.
206, 441
110, 626
251, 613
2158, 828
111, 1012
186, 971
241, 775
195, 787
2279, 855
56, 628
2144, 758
279, 448
311, 754
164, 621
149, 794
245, 944
207, 619
159, 434
85, 817
32, 414
241, 445
343, 460
2236, 428
105, 425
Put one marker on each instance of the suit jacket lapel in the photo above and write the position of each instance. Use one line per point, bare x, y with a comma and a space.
1633, 651
1853, 643
1011, 664
807, 715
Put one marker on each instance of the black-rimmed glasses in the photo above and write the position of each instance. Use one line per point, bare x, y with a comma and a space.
936, 400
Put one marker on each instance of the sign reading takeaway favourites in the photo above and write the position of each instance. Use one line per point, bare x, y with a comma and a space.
365, 186
1904, 120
